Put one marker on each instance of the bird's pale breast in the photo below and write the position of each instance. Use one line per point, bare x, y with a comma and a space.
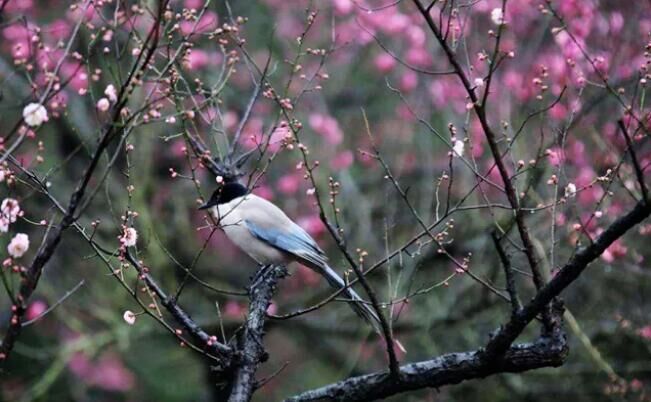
231, 218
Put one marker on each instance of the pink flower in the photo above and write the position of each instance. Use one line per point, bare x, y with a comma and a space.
555, 156
233, 309
289, 184
196, 4
264, 192
418, 56
305, 277
197, 59
35, 309
10, 210
342, 160
108, 372
129, 237
636, 385
207, 23
416, 36
103, 105
76, 73
558, 111
343, 7
111, 93
312, 225
18, 245
384, 62
614, 251
327, 126
645, 332
129, 317
394, 23
408, 81
59, 30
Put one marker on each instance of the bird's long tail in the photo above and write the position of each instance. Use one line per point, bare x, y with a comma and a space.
361, 307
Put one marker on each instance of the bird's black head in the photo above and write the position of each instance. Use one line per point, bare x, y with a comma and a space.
225, 193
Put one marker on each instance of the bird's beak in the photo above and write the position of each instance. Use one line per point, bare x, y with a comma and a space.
206, 205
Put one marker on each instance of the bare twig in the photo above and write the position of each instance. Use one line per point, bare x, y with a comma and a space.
55, 305
480, 111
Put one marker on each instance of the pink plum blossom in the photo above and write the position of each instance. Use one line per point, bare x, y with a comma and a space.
18, 246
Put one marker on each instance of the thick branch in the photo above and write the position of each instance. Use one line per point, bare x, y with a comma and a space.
216, 350
448, 369
568, 274
252, 352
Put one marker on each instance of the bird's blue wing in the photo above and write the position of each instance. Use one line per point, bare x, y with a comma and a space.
293, 240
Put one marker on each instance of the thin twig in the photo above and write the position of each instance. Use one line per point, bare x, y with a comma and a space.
52, 307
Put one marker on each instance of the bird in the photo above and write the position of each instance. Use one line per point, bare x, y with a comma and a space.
264, 232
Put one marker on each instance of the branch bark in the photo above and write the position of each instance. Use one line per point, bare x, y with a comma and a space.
222, 352
251, 350
451, 368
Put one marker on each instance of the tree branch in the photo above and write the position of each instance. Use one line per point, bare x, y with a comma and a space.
451, 368
639, 172
498, 356
222, 351
480, 110
568, 274
52, 240
508, 273
251, 349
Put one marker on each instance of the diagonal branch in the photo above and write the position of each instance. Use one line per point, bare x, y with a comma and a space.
202, 337
498, 356
216, 350
52, 240
568, 274
639, 172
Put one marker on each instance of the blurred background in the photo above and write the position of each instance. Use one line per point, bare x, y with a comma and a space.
335, 62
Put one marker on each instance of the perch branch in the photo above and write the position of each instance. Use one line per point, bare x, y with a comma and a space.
251, 349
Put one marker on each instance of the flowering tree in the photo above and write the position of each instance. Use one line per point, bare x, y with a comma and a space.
463, 163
